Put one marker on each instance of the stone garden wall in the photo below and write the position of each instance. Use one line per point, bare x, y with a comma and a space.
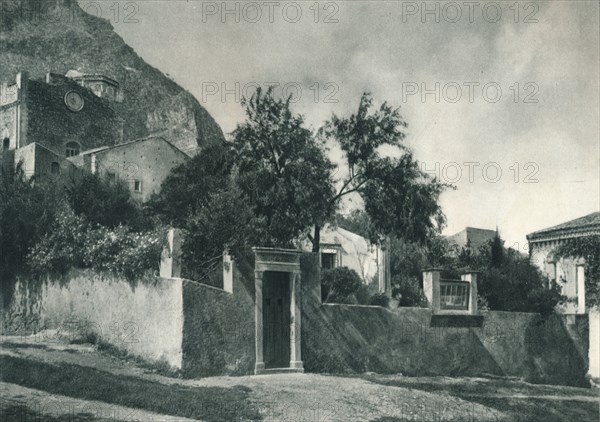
209, 331
142, 317
353, 338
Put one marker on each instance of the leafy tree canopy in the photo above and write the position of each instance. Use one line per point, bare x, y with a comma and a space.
27, 210
282, 169
106, 202
399, 198
190, 185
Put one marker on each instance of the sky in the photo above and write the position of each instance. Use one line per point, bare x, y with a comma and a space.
501, 98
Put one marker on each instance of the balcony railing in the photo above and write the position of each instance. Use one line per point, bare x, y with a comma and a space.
454, 294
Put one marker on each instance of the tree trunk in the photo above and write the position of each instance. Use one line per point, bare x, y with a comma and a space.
317, 239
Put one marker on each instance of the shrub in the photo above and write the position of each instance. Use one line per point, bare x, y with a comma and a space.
73, 242
363, 294
380, 299
518, 286
223, 223
339, 285
544, 300
407, 290
62, 247
106, 202
27, 210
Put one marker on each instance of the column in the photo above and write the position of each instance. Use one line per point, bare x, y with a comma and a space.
258, 321
594, 346
295, 323
431, 288
580, 280
227, 272
472, 279
170, 260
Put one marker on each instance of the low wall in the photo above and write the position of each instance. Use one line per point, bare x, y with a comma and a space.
144, 319
351, 338
347, 338
218, 329
208, 331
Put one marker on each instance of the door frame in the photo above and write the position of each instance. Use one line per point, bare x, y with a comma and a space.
285, 261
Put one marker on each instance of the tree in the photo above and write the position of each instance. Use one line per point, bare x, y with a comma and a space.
27, 210
507, 280
399, 198
281, 169
190, 185
225, 222
497, 251
106, 202
201, 197
357, 222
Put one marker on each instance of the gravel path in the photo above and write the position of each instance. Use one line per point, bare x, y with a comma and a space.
25, 404
289, 397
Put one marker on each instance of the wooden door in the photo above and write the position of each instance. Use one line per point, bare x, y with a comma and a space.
276, 320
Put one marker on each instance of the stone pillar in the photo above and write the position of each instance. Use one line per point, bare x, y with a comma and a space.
295, 321
385, 278
3, 93
170, 260
227, 273
22, 81
580, 280
594, 346
258, 321
431, 288
471, 278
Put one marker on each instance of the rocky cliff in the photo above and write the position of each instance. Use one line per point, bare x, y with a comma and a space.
40, 36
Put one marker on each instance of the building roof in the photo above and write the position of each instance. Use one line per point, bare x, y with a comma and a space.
110, 147
331, 235
75, 74
582, 226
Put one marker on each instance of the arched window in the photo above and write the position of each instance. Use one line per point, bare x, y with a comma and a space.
73, 149
6, 143
55, 168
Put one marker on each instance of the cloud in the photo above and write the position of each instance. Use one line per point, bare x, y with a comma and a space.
373, 48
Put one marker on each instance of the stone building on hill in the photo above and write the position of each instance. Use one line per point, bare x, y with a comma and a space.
471, 237
143, 164
64, 125
58, 113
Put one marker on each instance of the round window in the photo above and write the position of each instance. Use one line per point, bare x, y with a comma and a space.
74, 101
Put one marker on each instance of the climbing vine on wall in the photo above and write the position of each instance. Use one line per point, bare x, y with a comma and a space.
588, 248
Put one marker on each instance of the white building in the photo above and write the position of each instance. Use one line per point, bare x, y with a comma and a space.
342, 248
568, 273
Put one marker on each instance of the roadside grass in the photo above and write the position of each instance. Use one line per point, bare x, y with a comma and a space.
22, 413
210, 404
161, 368
507, 396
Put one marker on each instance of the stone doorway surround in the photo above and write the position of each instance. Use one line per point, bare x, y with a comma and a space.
286, 261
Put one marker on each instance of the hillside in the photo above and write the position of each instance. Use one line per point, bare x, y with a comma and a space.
38, 42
